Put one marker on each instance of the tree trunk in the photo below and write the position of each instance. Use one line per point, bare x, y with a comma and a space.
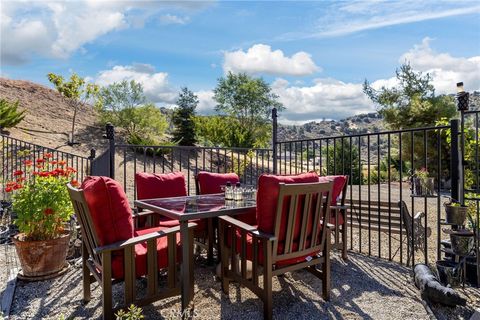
75, 108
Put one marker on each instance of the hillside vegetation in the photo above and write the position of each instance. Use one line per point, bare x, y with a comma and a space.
48, 120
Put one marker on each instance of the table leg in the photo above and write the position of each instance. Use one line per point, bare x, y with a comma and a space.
186, 277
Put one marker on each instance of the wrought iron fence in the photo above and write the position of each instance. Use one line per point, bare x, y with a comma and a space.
380, 166
15, 152
249, 164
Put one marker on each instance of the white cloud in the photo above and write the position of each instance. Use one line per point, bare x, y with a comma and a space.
343, 18
326, 98
155, 84
173, 19
261, 59
445, 69
59, 28
206, 104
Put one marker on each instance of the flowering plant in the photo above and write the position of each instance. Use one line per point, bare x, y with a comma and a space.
40, 198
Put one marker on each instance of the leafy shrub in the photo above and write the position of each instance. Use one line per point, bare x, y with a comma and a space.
122, 104
9, 114
133, 313
228, 131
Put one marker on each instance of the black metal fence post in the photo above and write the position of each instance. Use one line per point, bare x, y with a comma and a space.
456, 166
274, 139
91, 158
110, 135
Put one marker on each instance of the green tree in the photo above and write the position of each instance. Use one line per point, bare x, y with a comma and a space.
76, 92
411, 104
343, 159
249, 101
183, 118
9, 114
123, 105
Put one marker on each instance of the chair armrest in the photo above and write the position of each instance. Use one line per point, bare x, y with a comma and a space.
248, 228
136, 240
144, 213
419, 215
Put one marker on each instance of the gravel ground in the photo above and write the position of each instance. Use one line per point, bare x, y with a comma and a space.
362, 288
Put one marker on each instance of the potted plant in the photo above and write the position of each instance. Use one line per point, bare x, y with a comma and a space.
42, 206
456, 213
422, 184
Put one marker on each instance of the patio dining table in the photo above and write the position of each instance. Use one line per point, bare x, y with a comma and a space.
190, 208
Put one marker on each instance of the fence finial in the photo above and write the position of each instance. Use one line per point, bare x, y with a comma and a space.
109, 131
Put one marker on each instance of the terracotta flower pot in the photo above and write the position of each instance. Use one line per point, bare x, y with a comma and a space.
41, 258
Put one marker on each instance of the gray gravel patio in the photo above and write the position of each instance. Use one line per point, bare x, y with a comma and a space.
362, 288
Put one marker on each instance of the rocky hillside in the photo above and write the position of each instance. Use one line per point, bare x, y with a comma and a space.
48, 118
363, 123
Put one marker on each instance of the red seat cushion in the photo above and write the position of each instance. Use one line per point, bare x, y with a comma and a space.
109, 209
160, 185
141, 255
338, 184
209, 183
267, 197
280, 249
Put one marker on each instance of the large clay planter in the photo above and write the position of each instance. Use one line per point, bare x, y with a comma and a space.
41, 258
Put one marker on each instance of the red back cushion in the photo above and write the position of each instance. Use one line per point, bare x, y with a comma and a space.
164, 185
109, 209
209, 183
338, 184
267, 197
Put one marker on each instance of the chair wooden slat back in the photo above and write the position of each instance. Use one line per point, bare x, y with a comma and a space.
312, 202
86, 224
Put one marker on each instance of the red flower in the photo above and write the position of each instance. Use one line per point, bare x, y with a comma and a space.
40, 160
35, 173
53, 162
71, 170
28, 162
48, 155
75, 183
62, 163
48, 211
39, 166
20, 179
8, 189
44, 174
17, 186
11, 183
18, 173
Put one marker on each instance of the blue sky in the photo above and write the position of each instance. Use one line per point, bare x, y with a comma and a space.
315, 54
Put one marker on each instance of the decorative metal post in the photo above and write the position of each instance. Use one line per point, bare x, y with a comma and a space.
274, 139
110, 135
91, 161
455, 164
462, 106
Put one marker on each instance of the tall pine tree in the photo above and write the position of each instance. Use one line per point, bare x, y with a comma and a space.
182, 118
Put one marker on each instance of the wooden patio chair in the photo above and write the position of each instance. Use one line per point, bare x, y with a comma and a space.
339, 211
211, 183
291, 234
113, 251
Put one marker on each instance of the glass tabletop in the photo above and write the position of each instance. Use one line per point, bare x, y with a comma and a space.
196, 204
